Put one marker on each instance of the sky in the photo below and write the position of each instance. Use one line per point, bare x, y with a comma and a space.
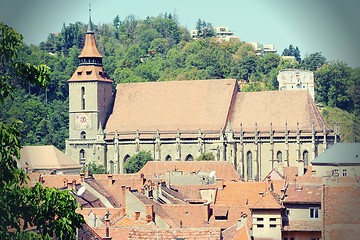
327, 26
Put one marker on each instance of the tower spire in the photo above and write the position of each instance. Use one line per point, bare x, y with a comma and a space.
89, 28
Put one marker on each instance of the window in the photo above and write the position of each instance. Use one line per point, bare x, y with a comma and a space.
272, 219
189, 157
260, 225
279, 156
82, 157
306, 157
83, 98
249, 164
272, 225
344, 172
314, 213
79, 73
83, 135
260, 219
111, 167
336, 172
168, 158
88, 72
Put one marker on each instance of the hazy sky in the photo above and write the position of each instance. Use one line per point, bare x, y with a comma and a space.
327, 26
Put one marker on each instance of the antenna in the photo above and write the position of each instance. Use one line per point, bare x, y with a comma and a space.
81, 191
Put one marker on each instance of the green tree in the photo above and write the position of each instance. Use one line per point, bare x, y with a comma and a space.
94, 169
136, 162
292, 51
48, 212
313, 61
206, 156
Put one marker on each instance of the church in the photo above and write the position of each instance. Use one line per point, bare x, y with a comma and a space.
178, 120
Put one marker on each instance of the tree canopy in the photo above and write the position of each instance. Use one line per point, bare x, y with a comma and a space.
136, 162
26, 212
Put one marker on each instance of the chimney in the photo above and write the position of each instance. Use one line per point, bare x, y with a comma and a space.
242, 221
65, 182
137, 215
110, 180
74, 184
220, 183
107, 227
301, 167
82, 177
123, 200
149, 213
69, 186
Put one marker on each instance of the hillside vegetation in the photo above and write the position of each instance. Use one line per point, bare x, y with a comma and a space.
159, 49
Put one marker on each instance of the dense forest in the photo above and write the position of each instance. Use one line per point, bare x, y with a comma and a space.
159, 49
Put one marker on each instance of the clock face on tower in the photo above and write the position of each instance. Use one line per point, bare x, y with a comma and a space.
82, 121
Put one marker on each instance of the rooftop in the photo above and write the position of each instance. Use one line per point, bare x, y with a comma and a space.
339, 154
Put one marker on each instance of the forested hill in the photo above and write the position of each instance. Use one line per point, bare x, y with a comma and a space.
158, 49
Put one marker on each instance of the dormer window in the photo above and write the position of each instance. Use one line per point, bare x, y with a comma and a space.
100, 73
88, 72
79, 73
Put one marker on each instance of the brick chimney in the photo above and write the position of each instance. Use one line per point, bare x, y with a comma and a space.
110, 180
149, 213
69, 186
65, 182
74, 184
107, 228
123, 200
82, 177
137, 215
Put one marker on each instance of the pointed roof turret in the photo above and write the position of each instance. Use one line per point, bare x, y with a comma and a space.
90, 60
89, 27
90, 50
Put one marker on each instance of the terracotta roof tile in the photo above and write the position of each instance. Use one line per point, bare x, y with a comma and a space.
267, 201
172, 105
46, 158
222, 169
301, 193
90, 49
90, 73
303, 225
277, 107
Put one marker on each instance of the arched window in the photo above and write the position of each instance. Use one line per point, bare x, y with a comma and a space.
83, 98
306, 157
249, 165
111, 167
83, 135
279, 156
127, 156
168, 158
189, 157
82, 157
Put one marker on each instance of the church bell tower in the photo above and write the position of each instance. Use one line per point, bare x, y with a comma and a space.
90, 101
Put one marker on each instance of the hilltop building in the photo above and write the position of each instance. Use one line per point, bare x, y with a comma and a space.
178, 120
295, 79
262, 49
221, 32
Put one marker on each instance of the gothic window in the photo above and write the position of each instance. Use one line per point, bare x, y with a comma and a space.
111, 167
82, 157
83, 98
249, 165
279, 156
127, 156
189, 157
168, 158
83, 135
306, 157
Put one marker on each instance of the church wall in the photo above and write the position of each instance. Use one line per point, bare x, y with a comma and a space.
104, 101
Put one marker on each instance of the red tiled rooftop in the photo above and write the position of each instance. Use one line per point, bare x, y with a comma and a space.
222, 170
301, 193
172, 105
267, 201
